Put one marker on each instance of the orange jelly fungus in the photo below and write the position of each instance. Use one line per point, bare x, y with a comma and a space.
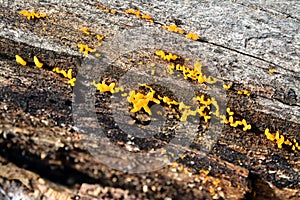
20, 60
140, 100
31, 15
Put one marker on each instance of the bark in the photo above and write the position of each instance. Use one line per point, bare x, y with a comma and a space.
49, 147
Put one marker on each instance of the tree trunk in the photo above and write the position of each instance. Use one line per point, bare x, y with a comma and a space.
59, 141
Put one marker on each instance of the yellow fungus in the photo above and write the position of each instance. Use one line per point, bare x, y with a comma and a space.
280, 141
69, 74
229, 112
246, 92
226, 87
277, 135
100, 37
37, 62
174, 165
147, 17
140, 100
287, 142
31, 15
192, 36
206, 172
72, 81
20, 60
247, 127
230, 119
172, 28
85, 49
269, 135
180, 31
133, 12
271, 71
85, 30
206, 118
103, 87
168, 57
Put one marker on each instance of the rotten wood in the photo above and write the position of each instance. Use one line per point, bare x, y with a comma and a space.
44, 154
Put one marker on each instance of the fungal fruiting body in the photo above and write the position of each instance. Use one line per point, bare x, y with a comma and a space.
271, 71
192, 36
37, 62
85, 30
193, 74
108, 10
138, 14
140, 100
226, 87
280, 140
85, 49
20, 60
68, 75
32, 14
165, 56
133, 12
174, 28
100, 37
245, 92
103, 87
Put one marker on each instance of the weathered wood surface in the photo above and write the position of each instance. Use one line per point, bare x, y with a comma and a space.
42, 151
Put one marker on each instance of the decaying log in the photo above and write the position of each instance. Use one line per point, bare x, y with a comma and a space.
47, 149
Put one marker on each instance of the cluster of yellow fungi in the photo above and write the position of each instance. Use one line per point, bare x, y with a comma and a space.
31, 15
39, 64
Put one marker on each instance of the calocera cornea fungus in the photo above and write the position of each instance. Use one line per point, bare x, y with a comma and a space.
192, 36
147, 17
245, 92
165, 56
138, 14
103, 87
108, 10
193, 74
141, 101
37, 63
85, 49
133, 12
85, 30
100, 37
280, 140
20, 60
229, 111
31, 15
174, 28
68, 75
226, 87
272, 71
